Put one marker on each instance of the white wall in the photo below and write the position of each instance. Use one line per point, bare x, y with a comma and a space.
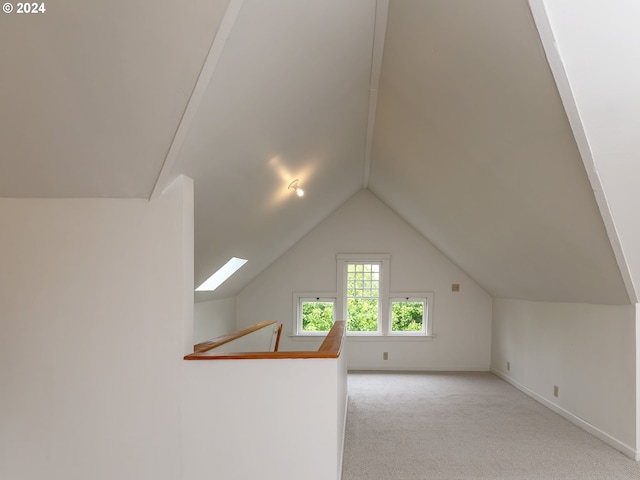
462, 321
93, 293
267, 419
342, 399
637, 381
214, 318
588, 351
261, 340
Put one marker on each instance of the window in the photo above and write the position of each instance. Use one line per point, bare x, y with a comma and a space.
363, 299
363, 296
363, 286
409, 315
221, 275
314, 314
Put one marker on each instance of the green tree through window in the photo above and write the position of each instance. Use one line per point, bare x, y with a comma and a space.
363, 296
407, 316
317, 315
363, 299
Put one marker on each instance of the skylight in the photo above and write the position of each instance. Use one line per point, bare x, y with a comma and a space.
218, 278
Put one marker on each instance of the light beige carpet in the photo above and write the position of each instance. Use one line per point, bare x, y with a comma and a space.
462, 426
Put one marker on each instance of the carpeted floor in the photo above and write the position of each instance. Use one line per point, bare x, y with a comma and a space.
463, 426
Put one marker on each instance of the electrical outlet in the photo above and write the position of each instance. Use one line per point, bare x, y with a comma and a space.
385, 355
455, 287
508, 366
555, 390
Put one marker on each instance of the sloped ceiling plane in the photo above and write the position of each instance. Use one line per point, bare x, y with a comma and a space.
448, 111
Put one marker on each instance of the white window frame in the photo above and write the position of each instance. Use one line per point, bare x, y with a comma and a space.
427, 298
384, 332
384, 259
299, 298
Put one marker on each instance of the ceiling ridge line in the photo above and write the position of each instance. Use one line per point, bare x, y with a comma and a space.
379, 33
197, 95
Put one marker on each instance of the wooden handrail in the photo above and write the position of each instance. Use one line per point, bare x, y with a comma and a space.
278, 335
331, 348
221, 340
333, 341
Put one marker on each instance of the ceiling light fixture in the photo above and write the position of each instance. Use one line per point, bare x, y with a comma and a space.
294, 185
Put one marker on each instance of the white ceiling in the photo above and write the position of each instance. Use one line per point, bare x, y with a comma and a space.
288, 99
471, 144
598, 47
473, 148
92, 93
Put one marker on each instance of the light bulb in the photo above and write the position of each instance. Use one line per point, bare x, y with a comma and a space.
294, 185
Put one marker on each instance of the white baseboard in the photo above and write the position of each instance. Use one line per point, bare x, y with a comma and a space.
413, 368
596, 432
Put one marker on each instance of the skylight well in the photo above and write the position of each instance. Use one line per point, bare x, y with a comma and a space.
218, 278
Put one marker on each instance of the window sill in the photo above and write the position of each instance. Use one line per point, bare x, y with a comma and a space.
367, 338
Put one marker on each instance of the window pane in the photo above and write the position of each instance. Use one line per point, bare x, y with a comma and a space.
407, 316
363, 290
317, 316
362, 314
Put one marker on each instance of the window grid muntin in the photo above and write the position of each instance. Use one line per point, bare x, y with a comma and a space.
363, 285
368, 286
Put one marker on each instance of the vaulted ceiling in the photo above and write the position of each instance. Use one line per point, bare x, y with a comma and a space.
446, 110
